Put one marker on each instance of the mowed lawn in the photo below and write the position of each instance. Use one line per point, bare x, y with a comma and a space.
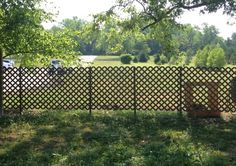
107, 60
115, 138
115, 61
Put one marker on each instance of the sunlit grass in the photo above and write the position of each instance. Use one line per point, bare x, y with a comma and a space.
115, 61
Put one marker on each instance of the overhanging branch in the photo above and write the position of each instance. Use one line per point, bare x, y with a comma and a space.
24, 52
156, 19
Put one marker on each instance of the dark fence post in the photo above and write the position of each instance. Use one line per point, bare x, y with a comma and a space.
20, 89
1, 81
180, 89
134, 90
90, 90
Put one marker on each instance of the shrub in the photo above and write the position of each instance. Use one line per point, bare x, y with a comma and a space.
173, 60
126, 58
156, 59
182, 59
135, 60
163, 59
143, 57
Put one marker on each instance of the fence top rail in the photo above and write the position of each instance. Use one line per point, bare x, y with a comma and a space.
137, 67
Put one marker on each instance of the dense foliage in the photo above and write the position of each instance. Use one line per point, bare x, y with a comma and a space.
142, 57
185, 45
24, 38
211, 56
149, 13
126, 58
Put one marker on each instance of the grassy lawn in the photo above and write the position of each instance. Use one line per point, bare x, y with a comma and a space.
115, 138
115, 61
106, 60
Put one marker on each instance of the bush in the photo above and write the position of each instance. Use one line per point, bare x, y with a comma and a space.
143, 57
182, 59
156, 59
135, 60
163, 59
126, 58
173, 60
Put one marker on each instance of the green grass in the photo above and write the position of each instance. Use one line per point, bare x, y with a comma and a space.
115, 138
107, 60
115, 61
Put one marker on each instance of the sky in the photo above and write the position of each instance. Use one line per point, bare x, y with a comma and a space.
84, 9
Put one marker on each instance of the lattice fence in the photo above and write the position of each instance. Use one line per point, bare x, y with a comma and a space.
126, 88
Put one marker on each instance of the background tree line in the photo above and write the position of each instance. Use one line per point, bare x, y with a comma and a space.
172, 44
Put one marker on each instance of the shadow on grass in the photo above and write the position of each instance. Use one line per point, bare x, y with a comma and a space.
115, 137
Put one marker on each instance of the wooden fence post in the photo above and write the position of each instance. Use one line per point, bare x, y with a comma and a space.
1, 81
20, 89
180, 90
134, 88
90, 90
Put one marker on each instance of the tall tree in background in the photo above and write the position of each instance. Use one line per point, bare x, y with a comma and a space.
73, 27
210, 36
230, 49
188, 38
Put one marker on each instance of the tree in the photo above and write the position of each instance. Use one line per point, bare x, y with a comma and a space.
210, 36
141, 47
200, 59
179, 60
154, 46
157, 20
73, 28
152, 12
56, 44
74, 24
230, 49
188, 39
20, 29
210, 56
22, 34
216, 57
163, 34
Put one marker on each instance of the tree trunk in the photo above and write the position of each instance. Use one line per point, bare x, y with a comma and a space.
1, 81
